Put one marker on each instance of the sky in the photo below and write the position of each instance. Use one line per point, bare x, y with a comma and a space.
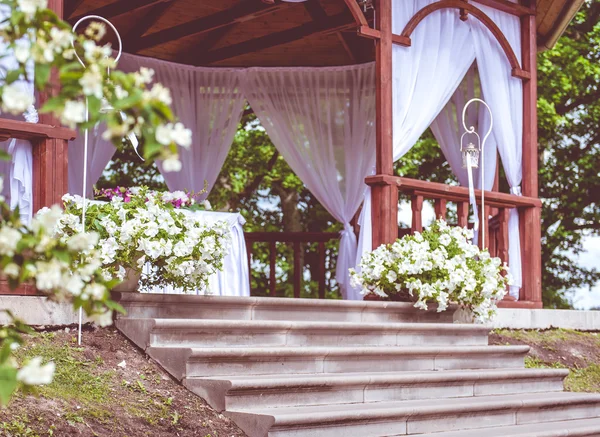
584, 298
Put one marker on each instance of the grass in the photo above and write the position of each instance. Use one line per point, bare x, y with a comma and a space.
564, 349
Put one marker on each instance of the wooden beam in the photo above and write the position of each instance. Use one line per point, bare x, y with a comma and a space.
145, 24
517, 71
319, 16
334, 24
356, 12
33, 131
508, 7
71, 6
384, 210
531, 233
243, 11
117, 8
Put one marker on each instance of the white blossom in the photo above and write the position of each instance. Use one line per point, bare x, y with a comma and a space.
34, 373
30, 7
73, 113
172, 164
15, 99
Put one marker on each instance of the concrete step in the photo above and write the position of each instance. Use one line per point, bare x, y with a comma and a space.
416, 417
270, 391
244, 333
192, 362
566, 428
163, 306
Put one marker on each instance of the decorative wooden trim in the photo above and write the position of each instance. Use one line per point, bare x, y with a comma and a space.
356, 12
416, 205
517, 71
245, 10
524, 304
33, 131
71, 6
150, 18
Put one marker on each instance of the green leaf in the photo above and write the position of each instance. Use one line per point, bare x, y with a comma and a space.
129, 101
42, 75
111, 304
8, 383
94, 104
4, 155
53, 104
13, 75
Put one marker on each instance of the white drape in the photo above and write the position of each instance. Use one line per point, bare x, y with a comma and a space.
100, 151
504, 94
322, 120
425, 75
18, 172
210, 103
447, 129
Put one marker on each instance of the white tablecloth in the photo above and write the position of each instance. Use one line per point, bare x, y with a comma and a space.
233, 280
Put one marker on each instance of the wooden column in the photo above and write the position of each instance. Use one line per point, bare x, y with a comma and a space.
530, 217
384, 196
50, 156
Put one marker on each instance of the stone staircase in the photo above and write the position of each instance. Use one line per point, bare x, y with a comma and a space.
299, 368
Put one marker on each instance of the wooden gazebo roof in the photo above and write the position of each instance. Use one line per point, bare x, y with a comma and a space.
255, 33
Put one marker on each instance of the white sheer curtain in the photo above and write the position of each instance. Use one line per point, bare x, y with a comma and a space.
322, 120
448, 128
425, 75
100, 152
210, 103
18, 172
504, 94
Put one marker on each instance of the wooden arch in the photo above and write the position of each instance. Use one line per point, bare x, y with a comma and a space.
465, 8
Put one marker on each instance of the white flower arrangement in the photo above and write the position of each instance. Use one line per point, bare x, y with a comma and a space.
439, 265
138, 226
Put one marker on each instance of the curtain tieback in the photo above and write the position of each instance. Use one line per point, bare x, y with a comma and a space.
516, 190
348, 229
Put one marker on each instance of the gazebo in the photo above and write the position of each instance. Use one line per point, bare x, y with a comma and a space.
389, 70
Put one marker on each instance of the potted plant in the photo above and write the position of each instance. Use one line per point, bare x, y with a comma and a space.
439, 265
139, 226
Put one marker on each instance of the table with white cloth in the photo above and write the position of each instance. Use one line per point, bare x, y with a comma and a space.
233, 279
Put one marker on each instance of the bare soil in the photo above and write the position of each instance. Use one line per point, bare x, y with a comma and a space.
110, 388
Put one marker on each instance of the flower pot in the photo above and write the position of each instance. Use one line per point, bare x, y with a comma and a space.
401, 296
130, 282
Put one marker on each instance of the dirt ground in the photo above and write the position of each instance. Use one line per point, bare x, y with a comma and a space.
560, 348
106, 388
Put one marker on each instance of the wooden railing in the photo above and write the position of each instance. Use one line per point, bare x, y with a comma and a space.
497, 206
297, 240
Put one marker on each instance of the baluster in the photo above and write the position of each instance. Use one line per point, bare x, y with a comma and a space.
503, 234
272, 262
321, 270
440, 209
417, 216
462, 211
297, 269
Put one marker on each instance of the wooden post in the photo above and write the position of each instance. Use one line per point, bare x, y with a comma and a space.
462, 211
322, 269
272, 267
531, 238
440, 209
50, 156
384, 210
417, 214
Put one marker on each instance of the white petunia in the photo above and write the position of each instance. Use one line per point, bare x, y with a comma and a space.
33, 373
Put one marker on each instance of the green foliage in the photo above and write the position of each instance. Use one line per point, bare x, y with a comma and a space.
569, 140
